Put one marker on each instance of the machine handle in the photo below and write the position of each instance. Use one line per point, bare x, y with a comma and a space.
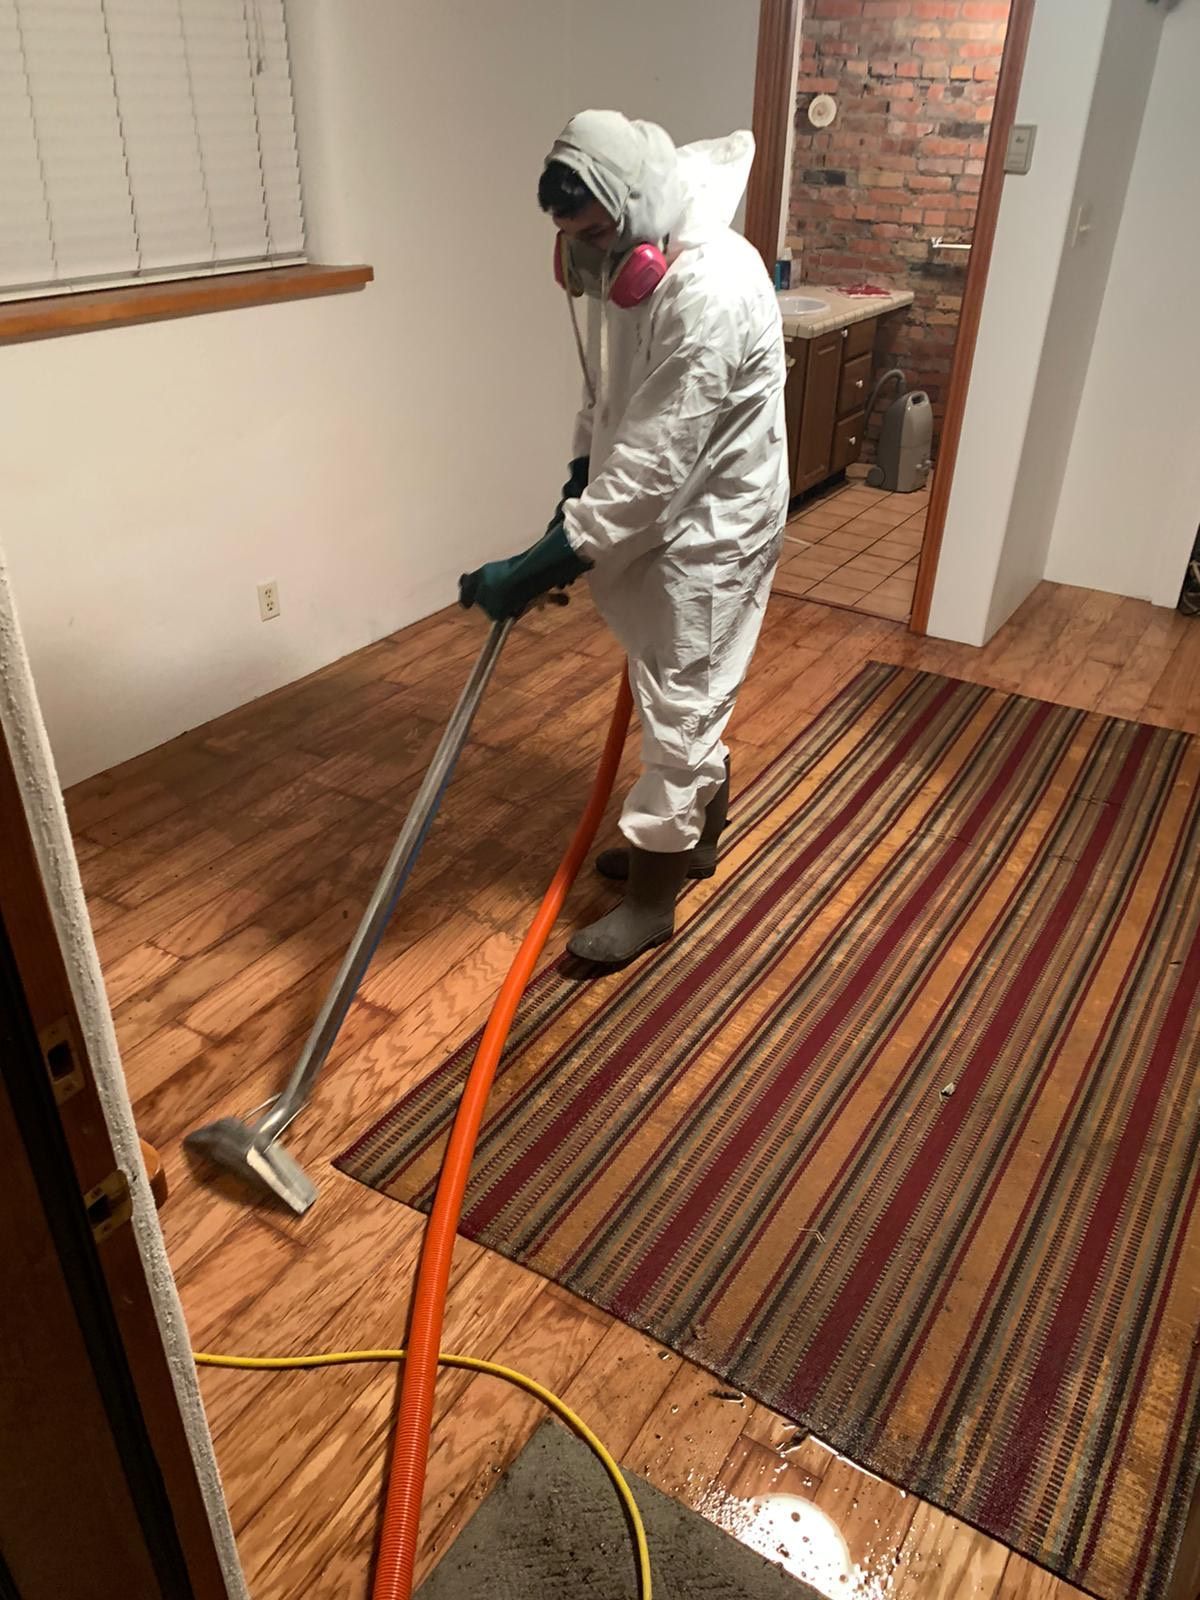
386, 893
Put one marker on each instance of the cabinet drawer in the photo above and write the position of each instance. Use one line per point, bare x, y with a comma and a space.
856, 375
848, 441
859, 338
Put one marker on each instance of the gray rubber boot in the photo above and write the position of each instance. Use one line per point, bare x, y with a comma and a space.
646, 916
702, 858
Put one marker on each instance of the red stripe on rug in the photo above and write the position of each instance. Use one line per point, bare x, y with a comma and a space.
485, 1209
1149, 1545
842, 1314
772, 1284
1008, 1489
988, 1301
725, 1162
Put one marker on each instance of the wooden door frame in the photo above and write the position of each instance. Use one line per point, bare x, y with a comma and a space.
779, 21
105, 1338
772, 125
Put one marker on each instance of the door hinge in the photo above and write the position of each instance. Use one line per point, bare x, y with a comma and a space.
62, 1061
108, 1205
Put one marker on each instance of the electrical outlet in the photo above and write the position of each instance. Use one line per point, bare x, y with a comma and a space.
268, 600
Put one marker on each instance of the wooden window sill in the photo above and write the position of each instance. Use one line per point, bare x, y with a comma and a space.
150, 302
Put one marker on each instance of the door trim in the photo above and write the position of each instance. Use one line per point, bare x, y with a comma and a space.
778, 25
983, 239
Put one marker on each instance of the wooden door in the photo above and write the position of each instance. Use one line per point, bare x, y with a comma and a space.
98, 1491
84, 1536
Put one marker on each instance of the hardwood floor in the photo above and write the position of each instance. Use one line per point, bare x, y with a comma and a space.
225, 873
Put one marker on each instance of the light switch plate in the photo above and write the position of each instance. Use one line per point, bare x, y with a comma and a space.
1018, 158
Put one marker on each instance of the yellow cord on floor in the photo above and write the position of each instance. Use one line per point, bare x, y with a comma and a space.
345, 1358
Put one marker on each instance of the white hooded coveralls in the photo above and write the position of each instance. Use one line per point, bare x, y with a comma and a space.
683, 515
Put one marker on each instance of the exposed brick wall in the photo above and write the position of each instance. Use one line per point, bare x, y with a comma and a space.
915, 81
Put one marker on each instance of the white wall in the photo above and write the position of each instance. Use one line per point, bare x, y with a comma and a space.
682, 63
1131, 500
1056, 90
361, 450
1111, 143
364, 450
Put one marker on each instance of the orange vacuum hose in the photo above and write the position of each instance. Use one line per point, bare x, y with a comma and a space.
410, 1444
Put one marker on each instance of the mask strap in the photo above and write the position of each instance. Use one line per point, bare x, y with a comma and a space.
565, 261
606, 277
583, 366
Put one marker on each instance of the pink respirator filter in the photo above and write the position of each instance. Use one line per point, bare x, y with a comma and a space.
635, 280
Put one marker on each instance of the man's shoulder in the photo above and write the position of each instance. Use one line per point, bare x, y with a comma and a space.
726, 267
719, 288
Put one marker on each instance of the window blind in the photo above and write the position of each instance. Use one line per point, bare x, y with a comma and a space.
144, 139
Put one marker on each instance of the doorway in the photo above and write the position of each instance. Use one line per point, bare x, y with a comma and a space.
887, 183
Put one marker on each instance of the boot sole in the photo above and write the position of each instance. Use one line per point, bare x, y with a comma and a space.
624, 960
694, 875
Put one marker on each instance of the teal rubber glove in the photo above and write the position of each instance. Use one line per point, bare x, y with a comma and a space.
577, 482
506, 588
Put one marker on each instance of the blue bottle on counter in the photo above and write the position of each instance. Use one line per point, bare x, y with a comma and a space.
783, 273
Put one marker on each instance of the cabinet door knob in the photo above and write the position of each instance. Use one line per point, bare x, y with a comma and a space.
845, 333
853, 439
859, 384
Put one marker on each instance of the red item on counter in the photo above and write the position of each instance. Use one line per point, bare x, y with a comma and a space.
860, 289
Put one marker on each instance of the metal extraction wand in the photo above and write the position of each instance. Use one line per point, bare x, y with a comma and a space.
252, 1149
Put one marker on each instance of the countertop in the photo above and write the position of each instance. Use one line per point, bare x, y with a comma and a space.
843, 309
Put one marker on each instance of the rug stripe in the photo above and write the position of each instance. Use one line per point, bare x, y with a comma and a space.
863, 1152
653, 1263
1075, 993
1029, 1424
1007, 1286
863, 1156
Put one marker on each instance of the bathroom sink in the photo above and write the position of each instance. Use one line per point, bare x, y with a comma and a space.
800, 305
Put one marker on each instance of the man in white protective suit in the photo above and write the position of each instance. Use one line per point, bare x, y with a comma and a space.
678, 490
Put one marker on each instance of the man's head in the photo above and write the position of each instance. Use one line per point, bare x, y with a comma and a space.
575, 211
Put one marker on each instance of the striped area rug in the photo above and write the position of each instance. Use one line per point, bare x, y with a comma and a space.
900, 1133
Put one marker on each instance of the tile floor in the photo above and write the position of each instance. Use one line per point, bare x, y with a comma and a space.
858, 548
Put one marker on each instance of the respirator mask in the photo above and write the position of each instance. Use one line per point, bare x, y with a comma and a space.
629, 281
582, 268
